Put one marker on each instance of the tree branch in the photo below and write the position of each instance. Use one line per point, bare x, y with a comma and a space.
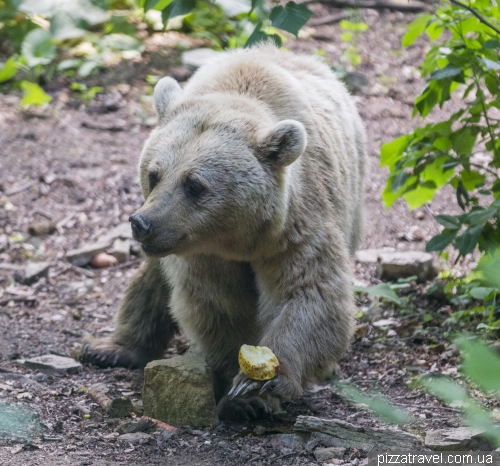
413, 7
476, 14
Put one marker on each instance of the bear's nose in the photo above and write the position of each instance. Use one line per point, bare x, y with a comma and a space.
141, 226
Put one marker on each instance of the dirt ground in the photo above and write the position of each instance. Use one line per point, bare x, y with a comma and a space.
76, 164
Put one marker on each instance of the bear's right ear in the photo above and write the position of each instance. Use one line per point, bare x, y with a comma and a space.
284, 143
166, 91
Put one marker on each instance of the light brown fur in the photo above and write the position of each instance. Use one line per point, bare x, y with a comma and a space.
262, 256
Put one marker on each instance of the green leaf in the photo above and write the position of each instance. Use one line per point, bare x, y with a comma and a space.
467, 241
463, 139
442, 143
480, 216
178, 8
481, 292
491, 44
391, 151
383, 290
440, 241
149, 4
415, 29
445, 389
481, 364
258, 36
489, 265
33, 94
291, 17
8, 70
449, 222
492, 84
471, 179
448, 71
378, 404
38, 48
490, 64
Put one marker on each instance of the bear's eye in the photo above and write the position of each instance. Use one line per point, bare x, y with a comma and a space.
193, 188
153, 179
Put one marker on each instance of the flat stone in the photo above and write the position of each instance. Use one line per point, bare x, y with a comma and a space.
135, 438
84, 255
180, 391
32, 272
403, 264
324, 454
194, 59
122, 231
457, 439
370, 256
121, 250
51, 363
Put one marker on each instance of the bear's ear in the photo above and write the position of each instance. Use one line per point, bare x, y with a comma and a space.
166, 91
284, 143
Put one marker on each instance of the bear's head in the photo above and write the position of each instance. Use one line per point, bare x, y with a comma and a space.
214, 175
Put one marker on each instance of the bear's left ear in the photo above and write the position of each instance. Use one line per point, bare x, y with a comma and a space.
284, 143
166, 91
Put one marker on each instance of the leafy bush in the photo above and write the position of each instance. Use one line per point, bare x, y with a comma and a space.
464, 59
77, 36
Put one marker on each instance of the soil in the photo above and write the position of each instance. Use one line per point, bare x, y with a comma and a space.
76, 164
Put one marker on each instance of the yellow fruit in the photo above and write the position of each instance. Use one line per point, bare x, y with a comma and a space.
258, 362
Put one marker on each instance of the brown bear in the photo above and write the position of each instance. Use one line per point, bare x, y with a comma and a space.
253, 187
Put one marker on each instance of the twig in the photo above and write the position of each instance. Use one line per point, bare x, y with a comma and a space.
4, 302
330, 19
415, 7
125, 264
476, 14
63, 222
159, 424
43, 214
21, 189
79, 270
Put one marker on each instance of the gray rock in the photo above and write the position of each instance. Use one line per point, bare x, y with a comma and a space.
46, 227
357, 82
121, 231
119, 407
180, 391
135, 438
50, 363
121, 250
370, 256
457, 439
32, 272
346, 435
83, 256
194, 59
324, 454
403, 264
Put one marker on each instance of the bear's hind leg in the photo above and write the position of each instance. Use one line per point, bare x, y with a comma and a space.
144, 326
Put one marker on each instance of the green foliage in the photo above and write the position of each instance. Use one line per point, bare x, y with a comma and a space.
84, 92
480, 365
33, 94
75, 37
350, 36
382, 290
379, 405
439, 154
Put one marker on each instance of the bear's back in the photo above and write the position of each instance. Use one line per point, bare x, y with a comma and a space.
330, 173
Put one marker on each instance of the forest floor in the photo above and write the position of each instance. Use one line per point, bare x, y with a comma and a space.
76, 164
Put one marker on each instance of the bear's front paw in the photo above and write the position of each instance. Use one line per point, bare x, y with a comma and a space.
279, 386
247, 409
103, 352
